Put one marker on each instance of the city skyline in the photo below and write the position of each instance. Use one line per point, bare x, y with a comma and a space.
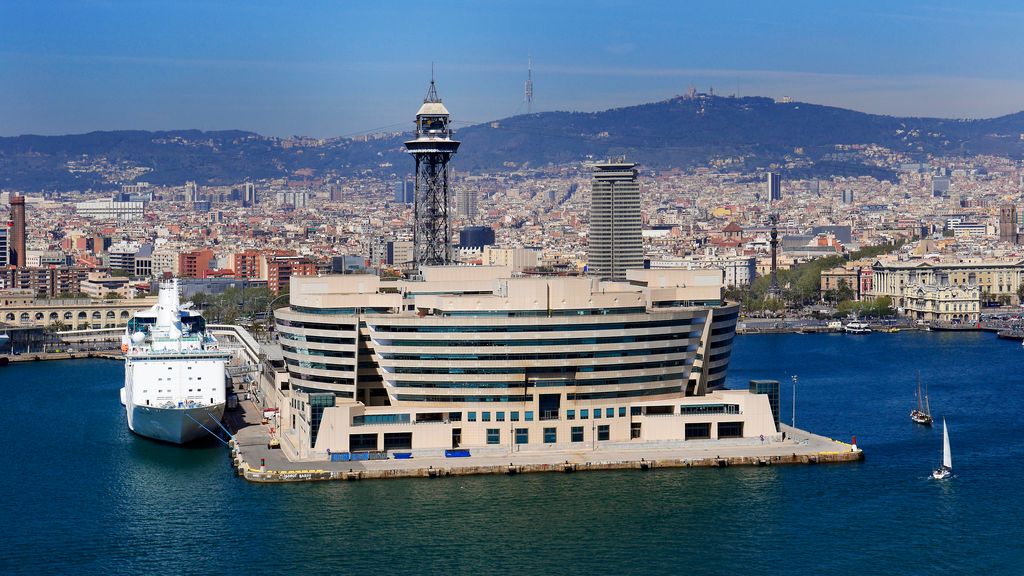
113, 65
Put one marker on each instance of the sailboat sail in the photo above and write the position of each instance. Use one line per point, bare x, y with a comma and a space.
947, 458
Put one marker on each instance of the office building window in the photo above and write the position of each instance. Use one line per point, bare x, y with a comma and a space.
397, 440
485, 416
529, 416
609, 413
499, 416
471, 417
494, 436
597, 413
515, 416
577, 433
730, 429
550, 435
698, 430
570, 414
622, 411
584, 414
522, 435
634, 430
603, 432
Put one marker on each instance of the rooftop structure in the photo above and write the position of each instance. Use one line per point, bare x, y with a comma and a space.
432, 148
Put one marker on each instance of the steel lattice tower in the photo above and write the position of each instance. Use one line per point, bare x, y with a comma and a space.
528, 87
432, 149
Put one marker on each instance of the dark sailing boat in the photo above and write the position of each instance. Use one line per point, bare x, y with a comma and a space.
923, 413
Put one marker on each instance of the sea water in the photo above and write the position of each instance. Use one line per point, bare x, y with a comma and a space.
81, 494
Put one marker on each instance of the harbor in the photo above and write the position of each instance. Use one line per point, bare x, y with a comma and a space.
260, 453
841, 393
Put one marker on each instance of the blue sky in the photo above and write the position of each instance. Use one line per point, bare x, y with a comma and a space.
338, 68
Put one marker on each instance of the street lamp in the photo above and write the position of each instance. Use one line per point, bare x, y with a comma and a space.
794, 402
266, 315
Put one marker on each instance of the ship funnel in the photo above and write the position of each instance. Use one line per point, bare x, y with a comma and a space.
167, 304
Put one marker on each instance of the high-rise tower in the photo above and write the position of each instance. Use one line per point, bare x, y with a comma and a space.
432, 149
17, 240
774, 187
1008, 223
248, 194
191, 191
616, 239
466, 201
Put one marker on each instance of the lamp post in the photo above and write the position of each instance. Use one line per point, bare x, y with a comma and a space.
266, 315
794, 402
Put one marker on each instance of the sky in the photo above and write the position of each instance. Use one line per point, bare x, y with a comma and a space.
343, 68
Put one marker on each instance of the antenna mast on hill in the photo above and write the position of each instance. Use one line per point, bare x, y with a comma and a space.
528, 86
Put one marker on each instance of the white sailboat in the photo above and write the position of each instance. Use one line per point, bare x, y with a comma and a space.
946, 470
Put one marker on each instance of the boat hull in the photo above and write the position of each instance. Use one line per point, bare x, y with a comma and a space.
921, 418
174, 425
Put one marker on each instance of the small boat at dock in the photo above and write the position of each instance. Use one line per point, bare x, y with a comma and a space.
857, 327
1011, 334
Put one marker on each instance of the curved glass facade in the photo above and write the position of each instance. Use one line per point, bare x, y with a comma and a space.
450, 351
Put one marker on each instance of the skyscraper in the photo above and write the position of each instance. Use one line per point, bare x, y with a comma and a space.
248, 194
465, 202
405, 192
616, 242
5, 250
191, 191
774, 183
432, 149
1008, 223
17, 252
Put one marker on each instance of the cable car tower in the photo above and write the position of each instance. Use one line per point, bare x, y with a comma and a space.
528, 86
432, 149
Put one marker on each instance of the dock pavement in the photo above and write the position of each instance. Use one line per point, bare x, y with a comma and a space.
257, 463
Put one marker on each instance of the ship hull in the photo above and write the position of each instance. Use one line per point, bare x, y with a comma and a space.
175, 425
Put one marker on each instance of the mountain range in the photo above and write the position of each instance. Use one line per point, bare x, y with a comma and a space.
682, 132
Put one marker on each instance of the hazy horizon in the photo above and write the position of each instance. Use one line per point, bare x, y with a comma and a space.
346, 69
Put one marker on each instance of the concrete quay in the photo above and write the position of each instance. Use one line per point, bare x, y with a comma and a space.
255, 462
42, 356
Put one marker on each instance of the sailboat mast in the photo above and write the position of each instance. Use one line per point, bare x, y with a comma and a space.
927, 406
918, 390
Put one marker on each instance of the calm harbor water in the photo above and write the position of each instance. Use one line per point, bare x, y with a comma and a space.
83, 495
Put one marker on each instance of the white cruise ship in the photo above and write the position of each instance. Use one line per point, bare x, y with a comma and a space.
174, 377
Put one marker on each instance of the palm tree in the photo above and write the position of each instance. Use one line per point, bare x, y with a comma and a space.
51, 330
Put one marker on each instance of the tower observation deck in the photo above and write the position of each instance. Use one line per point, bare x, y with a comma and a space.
432, 148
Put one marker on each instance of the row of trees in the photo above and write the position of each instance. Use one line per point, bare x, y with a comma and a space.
247, 307
875, 308
801, 285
